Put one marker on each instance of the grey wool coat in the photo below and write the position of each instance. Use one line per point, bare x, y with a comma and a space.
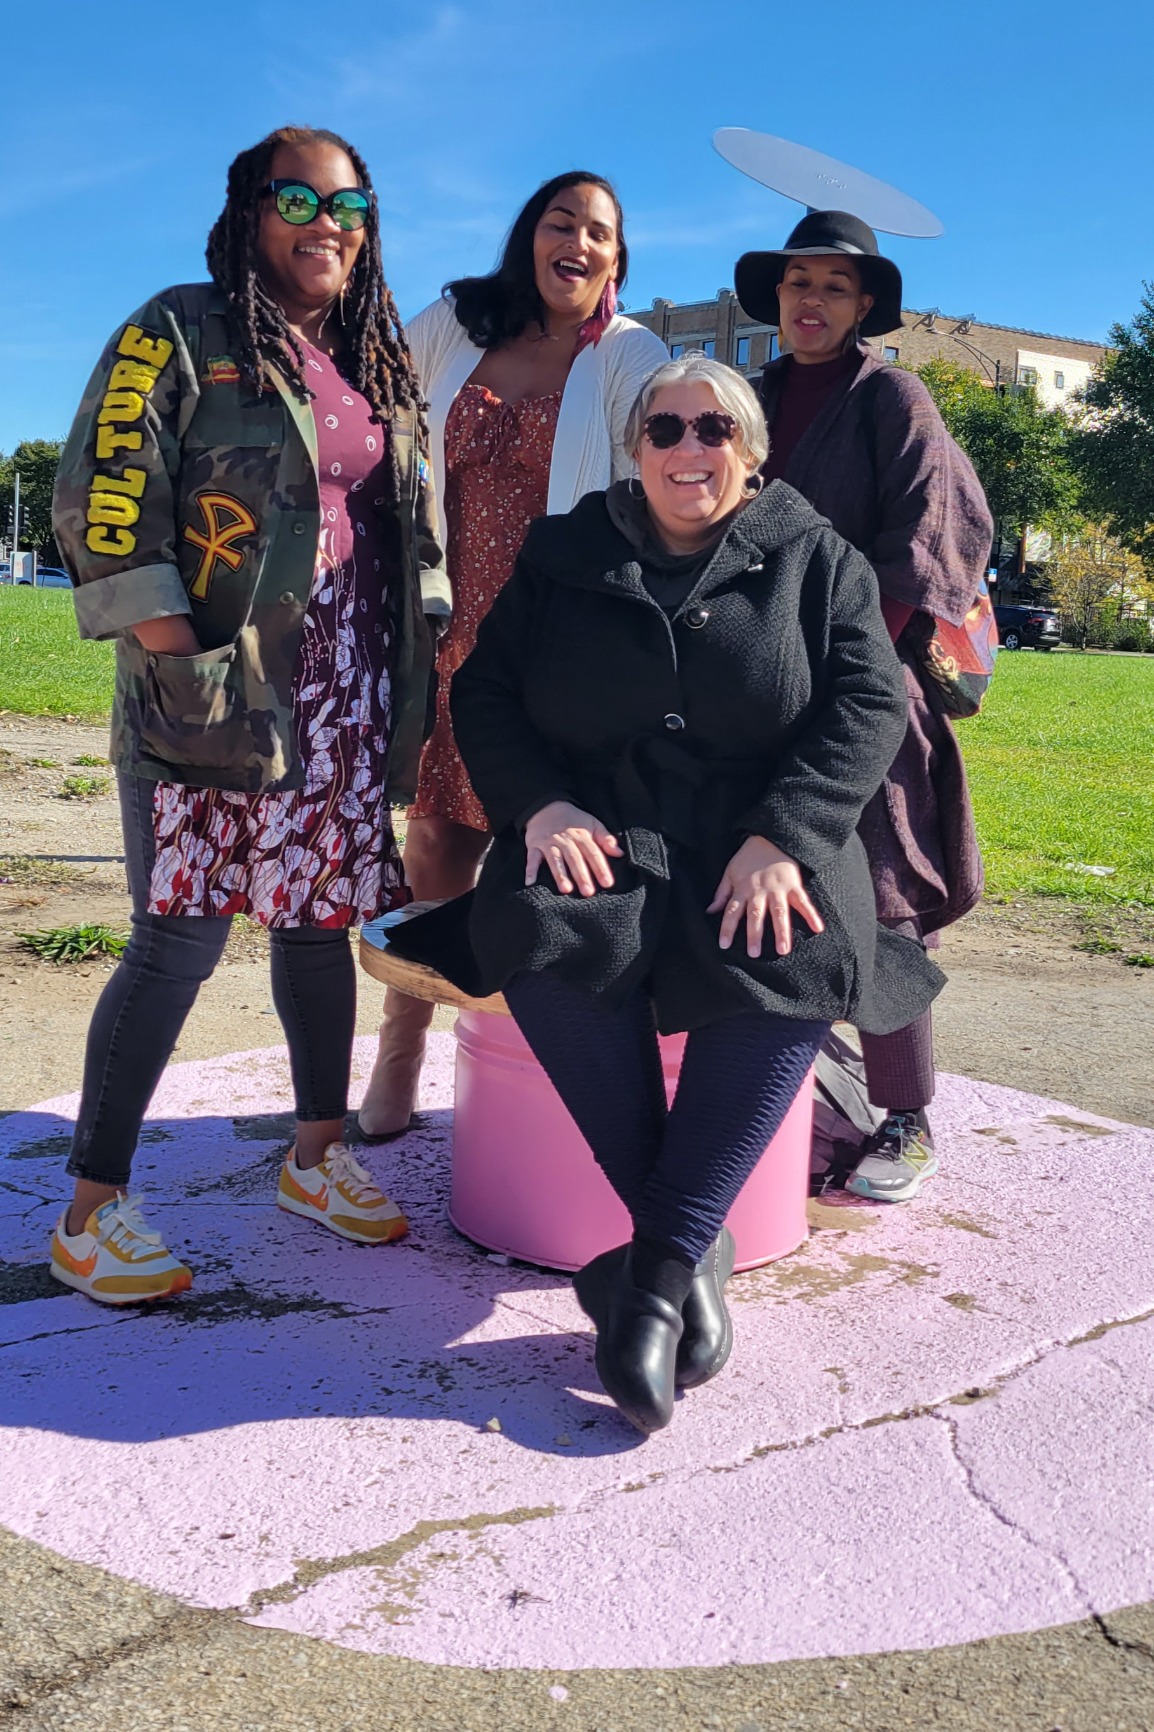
879, 463
770, 703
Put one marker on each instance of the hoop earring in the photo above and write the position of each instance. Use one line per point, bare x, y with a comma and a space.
636, 491
754, 484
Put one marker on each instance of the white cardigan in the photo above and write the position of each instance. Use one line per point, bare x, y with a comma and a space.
588, 446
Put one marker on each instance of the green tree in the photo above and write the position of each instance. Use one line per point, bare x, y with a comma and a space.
35, 461
1019, 448
1091, 574
1113, 448
954, 388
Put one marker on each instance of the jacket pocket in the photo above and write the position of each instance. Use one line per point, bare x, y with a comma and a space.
192, 712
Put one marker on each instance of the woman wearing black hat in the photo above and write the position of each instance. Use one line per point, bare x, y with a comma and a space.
864, 443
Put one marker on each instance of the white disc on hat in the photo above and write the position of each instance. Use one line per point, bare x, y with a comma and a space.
823, 183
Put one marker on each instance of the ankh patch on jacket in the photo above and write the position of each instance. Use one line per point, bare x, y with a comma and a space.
226, 521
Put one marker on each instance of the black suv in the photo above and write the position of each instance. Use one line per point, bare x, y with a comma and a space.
1026, 626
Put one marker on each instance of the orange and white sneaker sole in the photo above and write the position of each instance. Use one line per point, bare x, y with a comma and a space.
361, 1230
107, 1279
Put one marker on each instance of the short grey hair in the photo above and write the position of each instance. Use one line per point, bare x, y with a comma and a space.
734, 394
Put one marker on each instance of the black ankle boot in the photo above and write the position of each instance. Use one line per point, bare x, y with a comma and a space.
708, 1339
637, 1337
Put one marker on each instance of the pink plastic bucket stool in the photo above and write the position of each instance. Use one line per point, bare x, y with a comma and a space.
524, 1181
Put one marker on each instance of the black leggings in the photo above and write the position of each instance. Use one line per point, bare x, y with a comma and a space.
140, 1013
678, 1170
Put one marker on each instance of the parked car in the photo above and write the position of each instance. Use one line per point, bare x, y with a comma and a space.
51, 577
1026, 626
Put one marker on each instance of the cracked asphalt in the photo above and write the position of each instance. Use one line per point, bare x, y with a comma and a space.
81, 1652
82, 1648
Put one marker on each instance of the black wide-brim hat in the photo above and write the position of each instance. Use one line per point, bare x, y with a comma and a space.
756, 275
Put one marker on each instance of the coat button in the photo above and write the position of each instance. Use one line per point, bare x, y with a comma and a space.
298, 528
674, 722
696, 617
288, 597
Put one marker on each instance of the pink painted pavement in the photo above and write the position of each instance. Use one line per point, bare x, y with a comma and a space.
935, 1427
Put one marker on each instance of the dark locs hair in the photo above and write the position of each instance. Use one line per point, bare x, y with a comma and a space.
377, 355
496, 308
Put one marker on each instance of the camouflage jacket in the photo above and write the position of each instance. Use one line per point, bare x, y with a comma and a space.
181, 491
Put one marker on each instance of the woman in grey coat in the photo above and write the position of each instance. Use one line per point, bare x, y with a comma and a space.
865, 444
673, 717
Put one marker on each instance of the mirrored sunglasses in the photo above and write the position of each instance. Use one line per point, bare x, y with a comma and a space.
298, 203
713, 428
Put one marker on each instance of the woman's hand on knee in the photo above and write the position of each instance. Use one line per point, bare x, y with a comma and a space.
573, 844
760, 882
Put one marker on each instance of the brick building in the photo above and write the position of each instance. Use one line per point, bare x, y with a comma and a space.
1000, 354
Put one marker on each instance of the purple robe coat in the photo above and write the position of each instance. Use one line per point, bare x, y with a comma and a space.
878, 462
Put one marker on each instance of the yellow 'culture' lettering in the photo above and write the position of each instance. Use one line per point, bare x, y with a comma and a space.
154, 351
131, 482
109, 442
132, 376
120, 406
111, 541
114, 508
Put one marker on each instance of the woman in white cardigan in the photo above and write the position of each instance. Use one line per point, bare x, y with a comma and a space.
530, 374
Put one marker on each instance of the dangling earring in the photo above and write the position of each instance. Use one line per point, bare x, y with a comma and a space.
636, 491
593, 329
341, 301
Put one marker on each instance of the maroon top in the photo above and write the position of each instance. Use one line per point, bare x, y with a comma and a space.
804, 391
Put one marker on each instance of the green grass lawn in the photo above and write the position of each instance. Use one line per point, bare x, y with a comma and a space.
1061, 759
45, 668
1061, 764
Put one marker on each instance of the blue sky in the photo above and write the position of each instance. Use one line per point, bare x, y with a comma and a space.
1027, 127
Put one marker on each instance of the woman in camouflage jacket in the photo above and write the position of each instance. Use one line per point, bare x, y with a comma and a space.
243, 506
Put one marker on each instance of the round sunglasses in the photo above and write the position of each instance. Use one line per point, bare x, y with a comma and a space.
298, 203
665, 430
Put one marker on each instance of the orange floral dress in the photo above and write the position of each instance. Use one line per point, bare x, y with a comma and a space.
497, 458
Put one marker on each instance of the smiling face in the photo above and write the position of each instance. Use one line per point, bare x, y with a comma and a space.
691, 487
821, 300
575, 252
306, 268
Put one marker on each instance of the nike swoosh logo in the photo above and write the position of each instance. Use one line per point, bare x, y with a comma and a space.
77, 1266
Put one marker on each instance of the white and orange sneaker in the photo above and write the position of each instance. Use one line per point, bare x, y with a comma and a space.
115, 1258
342, 1196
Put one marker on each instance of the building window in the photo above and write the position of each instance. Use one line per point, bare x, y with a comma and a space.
676, 350
772, 347
1059, 381
889, 353
707, 347
743, 346
1027, 375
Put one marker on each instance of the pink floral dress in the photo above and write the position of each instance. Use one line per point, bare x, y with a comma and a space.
497, 458
323, 854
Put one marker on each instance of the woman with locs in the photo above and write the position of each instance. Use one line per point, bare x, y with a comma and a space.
865, 444
242, 507
530, 373
673, 717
